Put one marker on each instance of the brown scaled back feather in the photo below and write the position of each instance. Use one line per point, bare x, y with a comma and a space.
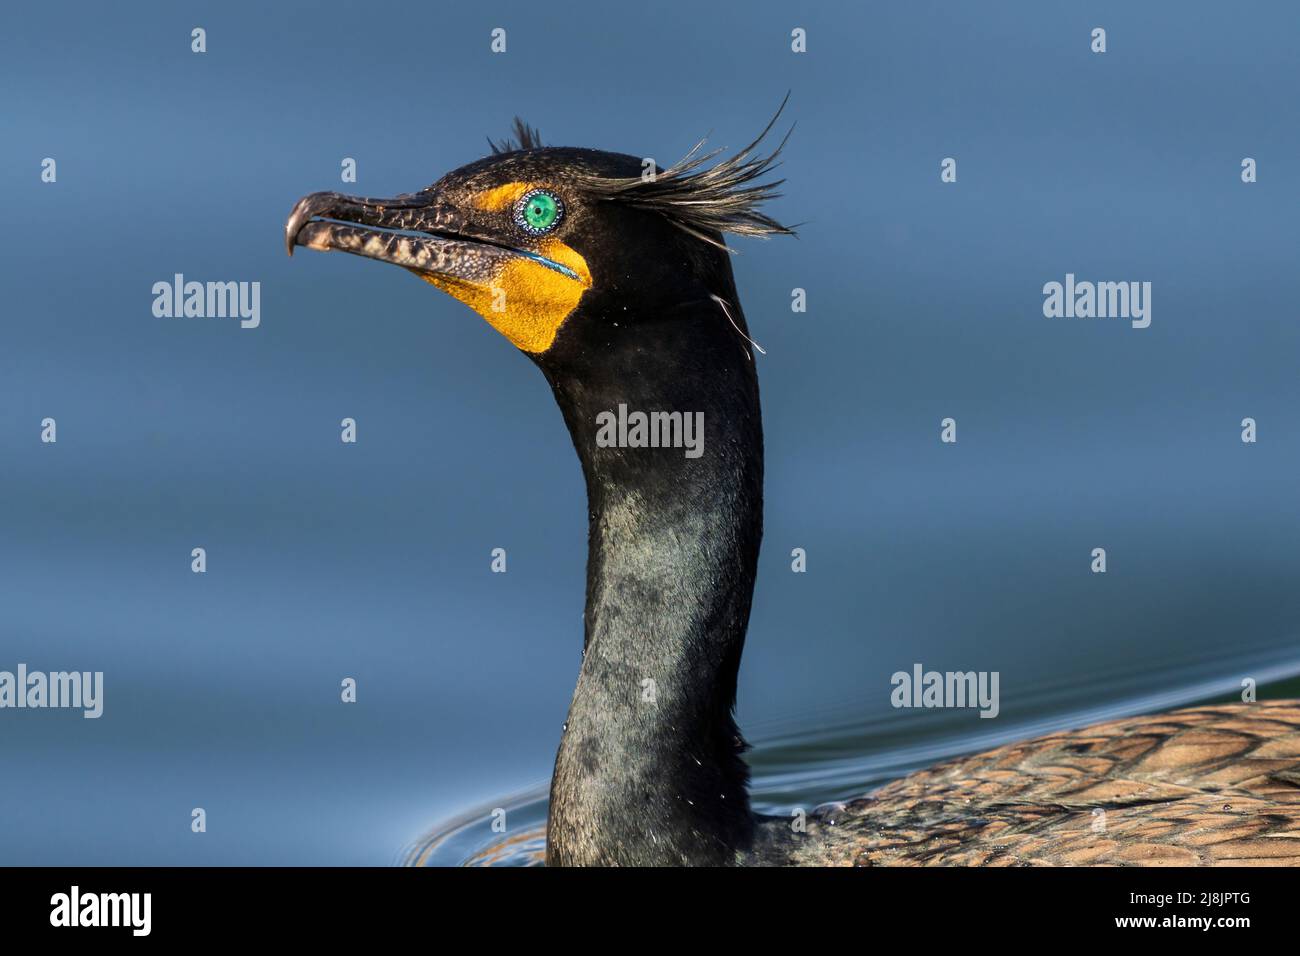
1215, 785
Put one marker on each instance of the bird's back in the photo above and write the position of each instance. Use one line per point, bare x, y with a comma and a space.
1205, 786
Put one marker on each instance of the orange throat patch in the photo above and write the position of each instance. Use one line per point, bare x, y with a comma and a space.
525, 301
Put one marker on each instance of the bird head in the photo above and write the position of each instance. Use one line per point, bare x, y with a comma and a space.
543, 240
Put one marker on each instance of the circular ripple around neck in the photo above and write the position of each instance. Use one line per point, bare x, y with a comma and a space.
834, 754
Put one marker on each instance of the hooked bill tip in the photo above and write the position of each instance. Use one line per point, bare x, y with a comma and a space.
291, 230
301, 214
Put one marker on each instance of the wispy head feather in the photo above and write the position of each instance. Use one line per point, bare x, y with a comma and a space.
705, 200
522, 136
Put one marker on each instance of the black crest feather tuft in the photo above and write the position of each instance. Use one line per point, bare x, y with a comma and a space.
522, 136
705, 200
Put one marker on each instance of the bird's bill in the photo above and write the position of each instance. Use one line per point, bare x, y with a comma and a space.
413, 231
525, 294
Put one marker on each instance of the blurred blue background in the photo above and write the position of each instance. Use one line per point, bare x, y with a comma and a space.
328, 560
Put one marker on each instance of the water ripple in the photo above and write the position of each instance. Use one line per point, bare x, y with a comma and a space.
830, 753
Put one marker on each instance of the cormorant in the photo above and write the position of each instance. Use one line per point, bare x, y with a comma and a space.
618, 285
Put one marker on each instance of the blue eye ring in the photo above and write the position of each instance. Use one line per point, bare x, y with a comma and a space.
538, 212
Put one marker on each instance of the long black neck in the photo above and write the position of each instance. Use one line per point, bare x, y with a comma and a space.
649, 770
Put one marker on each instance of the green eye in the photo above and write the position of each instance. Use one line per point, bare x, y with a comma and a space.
538, 211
